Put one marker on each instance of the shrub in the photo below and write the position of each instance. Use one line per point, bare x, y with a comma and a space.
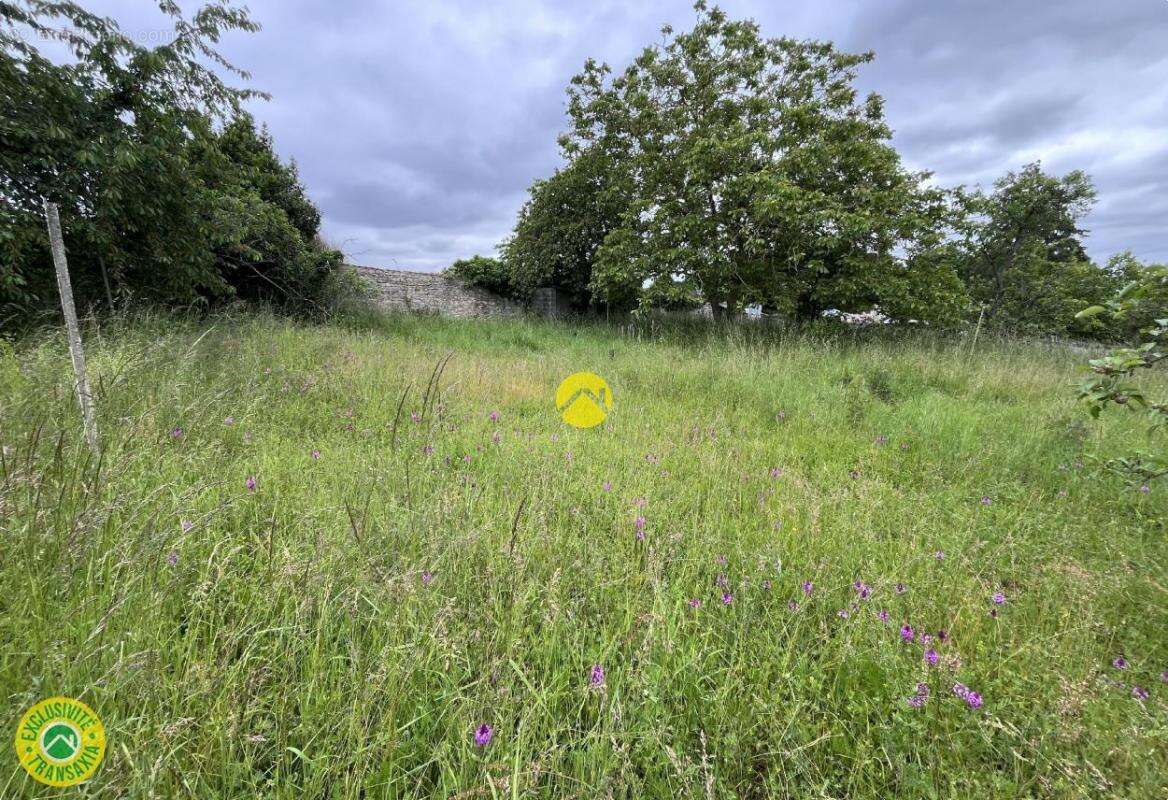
167, 192
485, 272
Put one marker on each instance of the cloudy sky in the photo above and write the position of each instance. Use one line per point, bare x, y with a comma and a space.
418, 126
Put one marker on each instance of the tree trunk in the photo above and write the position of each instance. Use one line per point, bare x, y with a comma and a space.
807, 309
721, 312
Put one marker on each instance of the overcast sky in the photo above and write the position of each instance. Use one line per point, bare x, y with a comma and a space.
418, 126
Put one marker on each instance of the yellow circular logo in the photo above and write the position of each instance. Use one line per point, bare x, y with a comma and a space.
60, 741
584, 400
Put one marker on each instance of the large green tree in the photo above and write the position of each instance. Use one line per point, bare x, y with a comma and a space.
755, 173
167, 193
561, 227
1024, 261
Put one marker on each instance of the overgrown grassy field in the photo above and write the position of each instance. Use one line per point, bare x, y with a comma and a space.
412, 565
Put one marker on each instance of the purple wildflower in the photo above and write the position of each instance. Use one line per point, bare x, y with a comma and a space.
906, 632
931, 657
901, 588
596, 679
998, 598
939, 555
942, 635
229, 421
1164, 676
776, 472
973, 699
428, 450
315, 454
985, 501
250, 483
607, 487
176, 433
1119, 663
842, 613
639, 524
882, 615
172, 558
862, 589
1145, 489
921, 697
483, 734
808, 588
1139, 693
961, 690
727, 598
793, 605
494, 416
722, 581
426, 578
695, 602
722, 560
186, 525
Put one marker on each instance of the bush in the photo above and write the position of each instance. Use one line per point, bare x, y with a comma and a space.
485, 272
167, 192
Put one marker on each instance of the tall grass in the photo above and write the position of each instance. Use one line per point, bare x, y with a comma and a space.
343, 629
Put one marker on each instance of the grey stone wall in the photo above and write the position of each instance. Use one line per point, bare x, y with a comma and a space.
429, 292
550, 302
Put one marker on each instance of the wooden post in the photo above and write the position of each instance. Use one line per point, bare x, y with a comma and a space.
977, 330
73, 332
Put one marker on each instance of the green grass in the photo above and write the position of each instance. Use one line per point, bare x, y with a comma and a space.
294, 651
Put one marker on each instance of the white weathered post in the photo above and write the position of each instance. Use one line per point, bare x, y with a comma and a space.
73, 332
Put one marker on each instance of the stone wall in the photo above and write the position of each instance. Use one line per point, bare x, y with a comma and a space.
429, 292
550, 302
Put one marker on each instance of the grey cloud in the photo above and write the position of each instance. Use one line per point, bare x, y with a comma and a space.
418, 126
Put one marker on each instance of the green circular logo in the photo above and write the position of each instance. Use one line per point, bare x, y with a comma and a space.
60, 741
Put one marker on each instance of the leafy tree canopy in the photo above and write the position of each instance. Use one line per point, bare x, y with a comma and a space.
167, 192
1024, 260
747, 167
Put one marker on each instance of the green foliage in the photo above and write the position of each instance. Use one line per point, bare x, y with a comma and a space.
747, 167
283, 643
1144, 297
1023, 259
562, 226
265, 230
167, 193
1113, 381
485, 272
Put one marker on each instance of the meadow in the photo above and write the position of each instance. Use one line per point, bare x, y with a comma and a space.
369, 560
